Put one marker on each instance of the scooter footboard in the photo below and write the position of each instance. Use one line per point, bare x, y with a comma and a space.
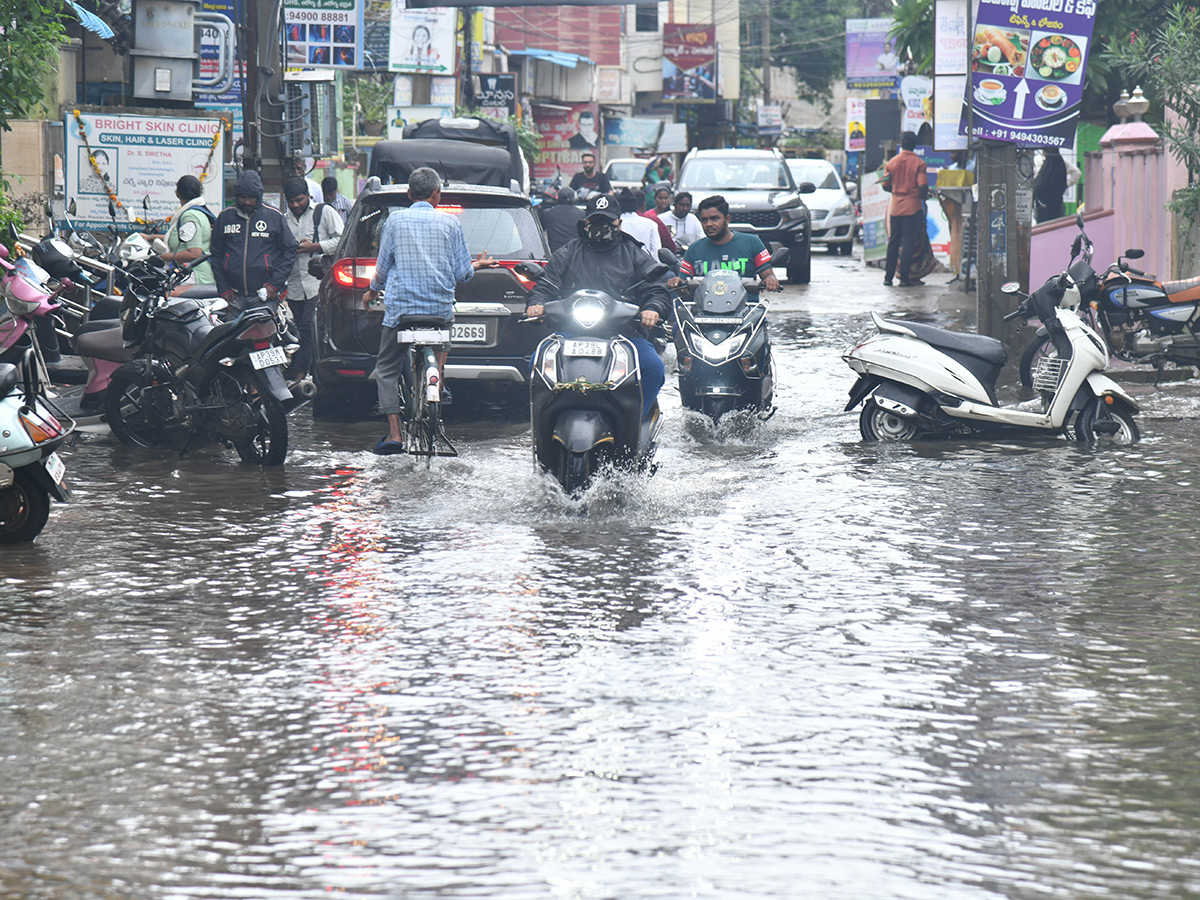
579, 430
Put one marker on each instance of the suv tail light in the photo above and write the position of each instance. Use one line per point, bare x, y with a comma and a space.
354, 273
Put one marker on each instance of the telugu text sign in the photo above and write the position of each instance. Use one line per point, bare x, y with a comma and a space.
689, 63
1028, 59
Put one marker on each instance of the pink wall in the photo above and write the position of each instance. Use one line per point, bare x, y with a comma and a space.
1050, 246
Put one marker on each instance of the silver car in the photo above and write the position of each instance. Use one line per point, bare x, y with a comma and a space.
834, 222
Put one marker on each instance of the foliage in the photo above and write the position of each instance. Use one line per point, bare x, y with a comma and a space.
33, 33
912, 33
527, 137
9, 213
367, 94
807, 37
1164, 61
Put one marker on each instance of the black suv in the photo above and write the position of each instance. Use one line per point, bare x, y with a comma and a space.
763, 199
486, 342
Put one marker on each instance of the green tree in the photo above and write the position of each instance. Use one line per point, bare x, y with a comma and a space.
32, 33
806, 36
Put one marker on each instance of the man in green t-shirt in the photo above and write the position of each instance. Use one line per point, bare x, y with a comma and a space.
723, 248
190, 231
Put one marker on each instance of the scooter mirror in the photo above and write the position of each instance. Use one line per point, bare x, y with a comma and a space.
1079, 220
1075, 247
112, 211
656, 271
667, 257
1134, 254
1010, 287
71, 207
530, 269
780, 257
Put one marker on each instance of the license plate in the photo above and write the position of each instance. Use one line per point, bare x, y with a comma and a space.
468, 334
718, 320
584, 348
272, 356
55, 467
423, 336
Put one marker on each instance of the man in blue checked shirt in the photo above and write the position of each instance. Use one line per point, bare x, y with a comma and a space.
422, 256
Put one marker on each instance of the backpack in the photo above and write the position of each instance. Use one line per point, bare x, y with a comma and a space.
317, 213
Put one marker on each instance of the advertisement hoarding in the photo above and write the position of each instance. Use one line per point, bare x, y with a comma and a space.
870, 61
136, 158
497, 96
565, 134
323, 34
423, 40
950, 37
856, 117
689, 63
1027, 71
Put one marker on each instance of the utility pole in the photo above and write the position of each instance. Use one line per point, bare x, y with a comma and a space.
766, 52
467, 85
247, 45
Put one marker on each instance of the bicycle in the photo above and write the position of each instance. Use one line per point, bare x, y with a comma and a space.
421, 391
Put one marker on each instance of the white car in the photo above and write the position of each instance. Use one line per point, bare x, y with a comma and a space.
834, 222
626, 173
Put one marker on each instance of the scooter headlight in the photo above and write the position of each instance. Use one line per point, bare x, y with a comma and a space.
587, 311
719, 352
16, 305
549, 366
620, 366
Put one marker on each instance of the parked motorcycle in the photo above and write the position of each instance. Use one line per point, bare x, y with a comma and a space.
31, 471
1142, 319
586, 391
197, 380
919, 381
722, 349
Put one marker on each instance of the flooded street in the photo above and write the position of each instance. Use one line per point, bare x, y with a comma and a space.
788, 664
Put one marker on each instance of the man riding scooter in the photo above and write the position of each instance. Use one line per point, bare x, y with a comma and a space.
604, 258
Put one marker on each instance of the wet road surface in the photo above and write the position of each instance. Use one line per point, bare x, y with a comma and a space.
789, 664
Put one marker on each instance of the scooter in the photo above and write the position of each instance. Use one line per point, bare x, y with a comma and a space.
919, 381
31, 471
1142, 319
25, 299
195, 379
586, 392
722, 349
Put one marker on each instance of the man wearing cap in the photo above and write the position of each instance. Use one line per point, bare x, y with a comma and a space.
605, 258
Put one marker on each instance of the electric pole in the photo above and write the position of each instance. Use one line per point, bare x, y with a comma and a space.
766, 52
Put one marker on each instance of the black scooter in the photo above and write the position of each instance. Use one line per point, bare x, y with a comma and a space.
197, 380
722, 349
586, 391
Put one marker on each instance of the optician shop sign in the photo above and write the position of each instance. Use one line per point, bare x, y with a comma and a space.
1028, 59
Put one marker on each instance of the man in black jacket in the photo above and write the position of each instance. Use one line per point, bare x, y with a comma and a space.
252, 246
604, 258
561, 220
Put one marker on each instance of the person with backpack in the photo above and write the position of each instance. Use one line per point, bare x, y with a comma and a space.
317, 230
189, 233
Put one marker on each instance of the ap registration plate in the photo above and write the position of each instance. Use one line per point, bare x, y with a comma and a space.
584, 348
272, 356
468, 333
55, 468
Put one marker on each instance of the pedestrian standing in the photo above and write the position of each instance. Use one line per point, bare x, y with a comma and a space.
339, 201
422, 256
317, 230
1050, 184
252, 247
909, 186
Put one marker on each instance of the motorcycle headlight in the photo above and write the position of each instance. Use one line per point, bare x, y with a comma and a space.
549, 366
587, 311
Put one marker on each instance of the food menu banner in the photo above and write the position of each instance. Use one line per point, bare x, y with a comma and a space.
1028, 59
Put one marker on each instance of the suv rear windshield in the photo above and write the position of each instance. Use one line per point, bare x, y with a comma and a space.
626, 171
732, 174
503, 232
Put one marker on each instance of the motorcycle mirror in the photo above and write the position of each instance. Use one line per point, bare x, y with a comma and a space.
1076, 245
667, 257
1010, 287
315, 269
146, 204
112, 211
1079, 221
530, 269
72, 208
807, 187
1134, 254
780, 257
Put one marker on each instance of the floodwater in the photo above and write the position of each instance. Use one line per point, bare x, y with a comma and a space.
787, 665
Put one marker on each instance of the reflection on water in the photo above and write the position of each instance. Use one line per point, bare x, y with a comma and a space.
937, 671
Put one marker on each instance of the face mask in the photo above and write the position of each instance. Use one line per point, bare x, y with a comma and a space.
601, 231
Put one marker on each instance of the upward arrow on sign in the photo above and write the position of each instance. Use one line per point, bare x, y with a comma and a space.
1021, 91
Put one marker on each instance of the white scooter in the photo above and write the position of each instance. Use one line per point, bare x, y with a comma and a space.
919, 381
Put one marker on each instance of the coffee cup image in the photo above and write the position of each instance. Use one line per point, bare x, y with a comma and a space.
1051, 97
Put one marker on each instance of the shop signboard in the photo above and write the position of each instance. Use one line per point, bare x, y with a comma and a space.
136, 158
641, 134
689, 63
856, 118
567, 131
323, 34
400, 116
871, 63
1027, 71
497, 96
422, 40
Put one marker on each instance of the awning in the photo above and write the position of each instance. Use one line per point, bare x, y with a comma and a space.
570, 60
92, 22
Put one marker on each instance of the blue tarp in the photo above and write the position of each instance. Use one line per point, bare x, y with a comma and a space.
92, 22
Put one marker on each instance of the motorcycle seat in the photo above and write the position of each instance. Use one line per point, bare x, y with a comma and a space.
1186, 291
989, 349
10, 377
218, 334
103, 342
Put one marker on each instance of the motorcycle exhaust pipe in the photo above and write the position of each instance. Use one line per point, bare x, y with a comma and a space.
306, 388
